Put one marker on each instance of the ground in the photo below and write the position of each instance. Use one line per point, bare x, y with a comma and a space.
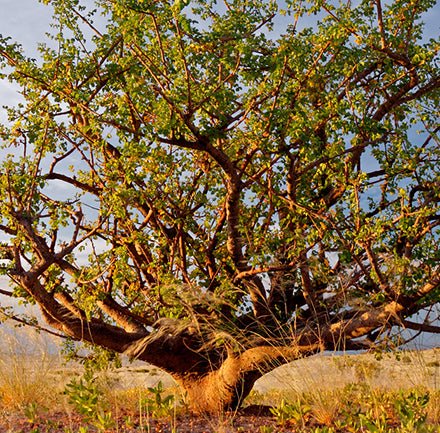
328, 393
228, 423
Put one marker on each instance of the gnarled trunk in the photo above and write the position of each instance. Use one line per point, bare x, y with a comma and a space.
218, 390
213, 379
225, 387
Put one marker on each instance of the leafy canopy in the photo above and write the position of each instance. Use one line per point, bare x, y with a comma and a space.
227, 165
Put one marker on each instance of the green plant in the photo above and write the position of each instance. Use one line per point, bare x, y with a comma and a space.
128, 421
95, 360
324, 429
411, 409
285, 411
157, 404
87, 399
30, 412
348, 424
103, 421
266, 429
374, 422
83, 395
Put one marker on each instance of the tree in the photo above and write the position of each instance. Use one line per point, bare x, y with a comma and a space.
184, 185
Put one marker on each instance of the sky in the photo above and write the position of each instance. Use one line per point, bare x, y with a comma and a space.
27, 21
24, 20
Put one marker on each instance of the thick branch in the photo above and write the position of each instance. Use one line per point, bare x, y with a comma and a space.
74, 182
423, 327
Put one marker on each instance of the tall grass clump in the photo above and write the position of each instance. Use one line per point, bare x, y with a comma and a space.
25, 370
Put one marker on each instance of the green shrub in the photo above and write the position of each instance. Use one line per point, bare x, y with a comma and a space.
87, 399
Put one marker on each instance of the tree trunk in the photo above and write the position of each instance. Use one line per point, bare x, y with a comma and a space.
226, 387
219, 390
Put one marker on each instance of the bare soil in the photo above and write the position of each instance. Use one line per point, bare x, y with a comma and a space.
243, 422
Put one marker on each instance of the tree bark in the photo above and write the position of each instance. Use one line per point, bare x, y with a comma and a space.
226, 387
220, 390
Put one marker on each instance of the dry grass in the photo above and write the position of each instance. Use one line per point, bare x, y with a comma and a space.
393, 372
433, 409
334, 389
325, 406
26, 367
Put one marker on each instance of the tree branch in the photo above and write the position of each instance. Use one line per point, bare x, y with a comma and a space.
423, 327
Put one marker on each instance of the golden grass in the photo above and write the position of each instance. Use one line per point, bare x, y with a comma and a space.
325, 406
333, 389
433, 409
25, 371
402, 370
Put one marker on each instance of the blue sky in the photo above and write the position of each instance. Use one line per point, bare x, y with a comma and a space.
27, 21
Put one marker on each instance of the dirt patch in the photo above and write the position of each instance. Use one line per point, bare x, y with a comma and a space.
244, 422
